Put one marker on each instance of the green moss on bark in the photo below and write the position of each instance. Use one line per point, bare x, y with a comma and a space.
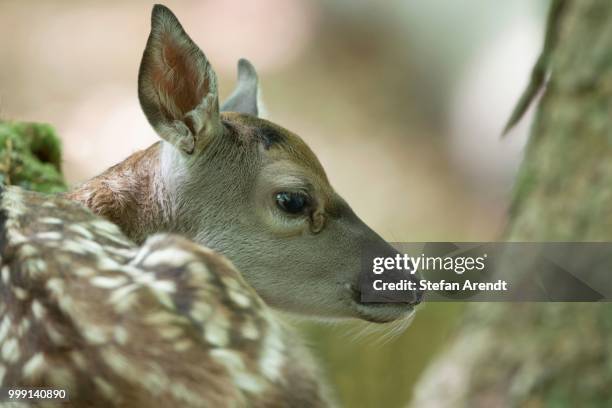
30, 157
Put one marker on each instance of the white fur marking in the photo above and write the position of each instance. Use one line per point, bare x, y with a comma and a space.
170, 256
33, 366
10, 350
108, 282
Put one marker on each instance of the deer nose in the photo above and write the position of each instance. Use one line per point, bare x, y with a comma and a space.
415, 295
388, 275
419, 293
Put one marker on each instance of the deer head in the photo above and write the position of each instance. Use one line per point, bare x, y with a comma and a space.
239, 184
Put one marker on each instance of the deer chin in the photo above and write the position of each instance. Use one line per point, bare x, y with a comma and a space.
378, 312
383, 312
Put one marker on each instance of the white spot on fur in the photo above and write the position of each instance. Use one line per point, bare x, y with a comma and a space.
155, 239
51, 220
122, 252
163, 318
74, 247
230, 359
20, 293
15, 237
38, 309
198, 269
215, 331
5, 326
115, 237
35, 266
61, 377
249, 330
81, 230
66, 303
84, 271
64, 259
273, 353
170, 332
239, 298
27, 250
10, 350
200, 311
182, 393
183, 345
161, 291
230, 282
108, 282
95, 335
107, 264
33, 367
163, 285
105, 388
169, 256
56, 287
117, 361
78, 359
121, 335
155, 380
49, 236
105, 226
23, 327
6, 275
56, 337
90, 246
234, 364
124, 297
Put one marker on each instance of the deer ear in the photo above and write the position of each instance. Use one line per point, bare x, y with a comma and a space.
245, 98
177, 87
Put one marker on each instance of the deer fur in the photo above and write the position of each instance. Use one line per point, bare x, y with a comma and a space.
167, 324
215, 175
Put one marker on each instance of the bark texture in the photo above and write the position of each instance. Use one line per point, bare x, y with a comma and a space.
548, 355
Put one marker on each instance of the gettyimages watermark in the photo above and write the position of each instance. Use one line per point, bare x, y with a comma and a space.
489, 272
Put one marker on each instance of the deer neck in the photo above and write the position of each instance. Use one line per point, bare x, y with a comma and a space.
131, 194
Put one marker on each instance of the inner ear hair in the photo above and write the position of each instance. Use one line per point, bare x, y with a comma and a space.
177, 86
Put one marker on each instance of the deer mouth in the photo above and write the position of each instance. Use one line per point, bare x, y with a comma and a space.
379, 312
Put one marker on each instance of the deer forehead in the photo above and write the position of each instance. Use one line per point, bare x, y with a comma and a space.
287, 159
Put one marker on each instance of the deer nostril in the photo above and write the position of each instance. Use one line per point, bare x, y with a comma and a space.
418, 295
355, 292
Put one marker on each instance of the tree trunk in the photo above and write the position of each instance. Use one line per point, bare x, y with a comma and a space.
536, 354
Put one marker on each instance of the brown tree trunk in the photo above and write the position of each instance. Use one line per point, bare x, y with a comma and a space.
535, 354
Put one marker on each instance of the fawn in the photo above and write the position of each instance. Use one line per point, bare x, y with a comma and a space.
238, 184
172, 323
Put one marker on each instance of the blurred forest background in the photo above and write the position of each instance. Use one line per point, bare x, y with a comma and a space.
403, 101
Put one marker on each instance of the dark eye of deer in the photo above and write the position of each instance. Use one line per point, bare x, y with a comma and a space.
292, 203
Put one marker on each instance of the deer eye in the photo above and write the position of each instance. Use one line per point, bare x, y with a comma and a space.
292, 203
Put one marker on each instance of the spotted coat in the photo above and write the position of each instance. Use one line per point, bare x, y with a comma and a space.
166, 324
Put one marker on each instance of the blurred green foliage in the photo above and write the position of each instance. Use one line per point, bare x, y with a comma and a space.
30, 157
371, 365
